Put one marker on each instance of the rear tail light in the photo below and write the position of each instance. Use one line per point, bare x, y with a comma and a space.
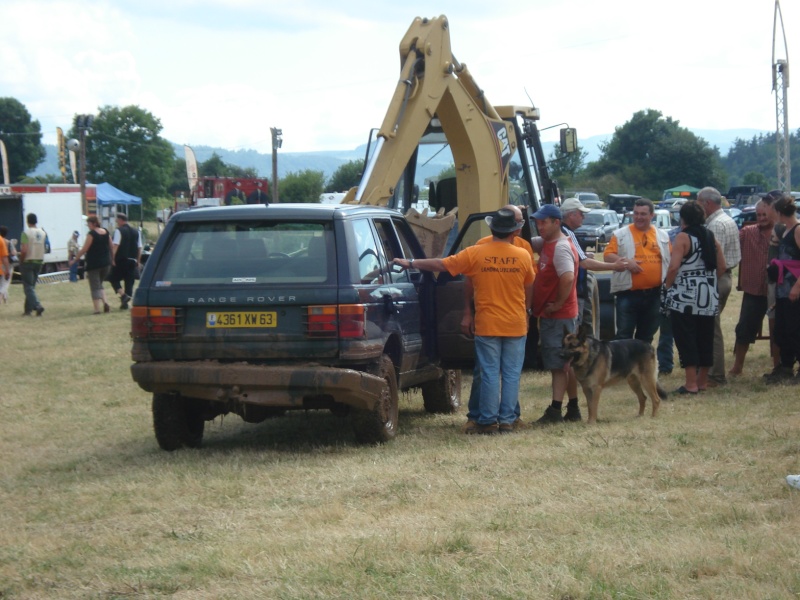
352, 321
154, 322
342, 321
322, 321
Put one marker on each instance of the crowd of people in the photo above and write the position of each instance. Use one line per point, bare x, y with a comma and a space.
677, 281
114, 258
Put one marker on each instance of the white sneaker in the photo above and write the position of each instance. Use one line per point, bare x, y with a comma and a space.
794, 481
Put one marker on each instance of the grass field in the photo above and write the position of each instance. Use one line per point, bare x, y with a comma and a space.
692, 504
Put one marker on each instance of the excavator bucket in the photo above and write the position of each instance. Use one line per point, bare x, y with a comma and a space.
432, 231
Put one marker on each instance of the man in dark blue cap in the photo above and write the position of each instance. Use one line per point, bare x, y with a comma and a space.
555, 301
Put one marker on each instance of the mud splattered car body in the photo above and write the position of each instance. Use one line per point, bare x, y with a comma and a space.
256, 310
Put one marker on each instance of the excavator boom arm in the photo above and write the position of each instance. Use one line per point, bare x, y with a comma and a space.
434, 84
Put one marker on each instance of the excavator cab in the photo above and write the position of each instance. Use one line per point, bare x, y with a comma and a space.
433, 182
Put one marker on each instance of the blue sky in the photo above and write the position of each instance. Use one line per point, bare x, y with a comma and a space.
222, 73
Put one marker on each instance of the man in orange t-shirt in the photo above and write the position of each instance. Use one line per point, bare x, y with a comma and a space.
638, 288
468, 326
502, 275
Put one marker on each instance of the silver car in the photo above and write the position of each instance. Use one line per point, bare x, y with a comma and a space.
598, 227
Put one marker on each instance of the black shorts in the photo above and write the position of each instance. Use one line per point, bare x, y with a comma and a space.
751, 318
694, 338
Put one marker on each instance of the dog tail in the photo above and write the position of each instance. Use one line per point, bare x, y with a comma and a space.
662, 393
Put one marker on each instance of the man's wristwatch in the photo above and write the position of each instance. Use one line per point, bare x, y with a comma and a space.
410, 263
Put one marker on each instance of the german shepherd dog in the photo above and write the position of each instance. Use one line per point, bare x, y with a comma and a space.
597, 364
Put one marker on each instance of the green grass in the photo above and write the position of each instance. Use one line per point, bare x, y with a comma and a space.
692, 504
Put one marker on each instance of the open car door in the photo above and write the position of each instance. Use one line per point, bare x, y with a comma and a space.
455, 349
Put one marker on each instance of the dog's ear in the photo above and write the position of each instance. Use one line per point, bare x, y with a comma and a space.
581, 334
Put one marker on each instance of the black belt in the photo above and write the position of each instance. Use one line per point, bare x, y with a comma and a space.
647, 292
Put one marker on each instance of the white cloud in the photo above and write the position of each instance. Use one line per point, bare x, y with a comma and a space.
223, 73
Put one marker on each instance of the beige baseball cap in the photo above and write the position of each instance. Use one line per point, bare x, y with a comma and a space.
573, 204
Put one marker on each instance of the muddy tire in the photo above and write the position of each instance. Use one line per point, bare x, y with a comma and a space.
379, 425
443, 395
177, 422
590, 319
608, 321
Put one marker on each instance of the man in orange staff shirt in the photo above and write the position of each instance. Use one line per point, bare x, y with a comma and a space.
638, 288
502, 276
468, 326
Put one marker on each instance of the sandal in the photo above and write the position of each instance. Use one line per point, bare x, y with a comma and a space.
683, 390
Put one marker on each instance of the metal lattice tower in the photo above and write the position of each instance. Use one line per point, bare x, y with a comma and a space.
780, 85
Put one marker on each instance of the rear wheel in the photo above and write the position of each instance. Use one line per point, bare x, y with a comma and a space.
177, 422
444, 394
608, 321
590, 319
379, 425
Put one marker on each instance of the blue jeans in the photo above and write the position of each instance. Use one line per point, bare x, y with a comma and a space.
638, 314
500, 361
29, 273
73, 272
666, 356
473, 406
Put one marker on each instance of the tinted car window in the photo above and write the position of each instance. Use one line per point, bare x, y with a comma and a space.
391, 249
255, 252
367, 251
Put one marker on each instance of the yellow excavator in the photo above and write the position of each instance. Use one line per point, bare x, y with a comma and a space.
437, 101
444, 153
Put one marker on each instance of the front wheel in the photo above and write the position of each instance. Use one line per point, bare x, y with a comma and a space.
177, 421
444, 394
379, 425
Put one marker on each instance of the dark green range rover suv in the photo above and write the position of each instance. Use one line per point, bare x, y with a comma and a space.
256, 310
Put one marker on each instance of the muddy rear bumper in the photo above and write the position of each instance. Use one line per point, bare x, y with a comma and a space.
290, 387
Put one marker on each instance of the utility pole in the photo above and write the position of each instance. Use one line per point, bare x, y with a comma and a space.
277, 142
780, 85
83, 122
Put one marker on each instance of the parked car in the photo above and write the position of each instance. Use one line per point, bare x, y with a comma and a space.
671, 203
746, 216
733, 212
742, 195
598, 227
661, 218
589, 199
621, 203
257, 310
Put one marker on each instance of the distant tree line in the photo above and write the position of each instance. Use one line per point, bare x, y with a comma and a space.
651, 153
645, 155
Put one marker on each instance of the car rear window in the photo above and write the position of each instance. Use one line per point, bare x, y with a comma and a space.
247, 252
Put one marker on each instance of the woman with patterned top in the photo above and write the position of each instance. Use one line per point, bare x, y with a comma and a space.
692, 296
